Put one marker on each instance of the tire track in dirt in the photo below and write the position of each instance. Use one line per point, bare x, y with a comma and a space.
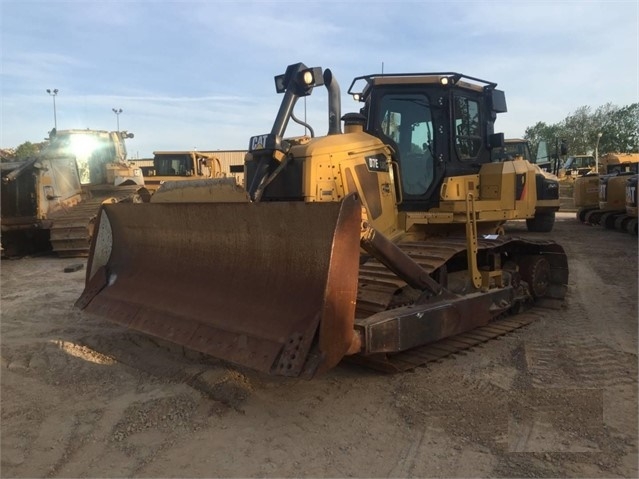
405, 464
587, 354
69, 442
471, 409
83, 443
579, 363
612, 318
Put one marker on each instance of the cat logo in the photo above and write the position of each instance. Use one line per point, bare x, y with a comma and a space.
257, 142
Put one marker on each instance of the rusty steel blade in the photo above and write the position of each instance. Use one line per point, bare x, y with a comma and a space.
270, 286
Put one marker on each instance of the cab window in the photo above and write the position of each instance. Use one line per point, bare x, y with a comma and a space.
467, 128
172, 165
405, 119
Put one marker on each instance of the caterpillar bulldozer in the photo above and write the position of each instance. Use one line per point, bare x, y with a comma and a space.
51, 201
181, 165
32, 190
371, 242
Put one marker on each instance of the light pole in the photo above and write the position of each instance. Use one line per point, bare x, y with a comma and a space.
53, 93
597, 153
117, 112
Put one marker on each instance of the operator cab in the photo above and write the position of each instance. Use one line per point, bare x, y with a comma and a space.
417, 114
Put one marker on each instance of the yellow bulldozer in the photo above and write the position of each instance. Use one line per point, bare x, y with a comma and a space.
370, 242
179, 166
50, 201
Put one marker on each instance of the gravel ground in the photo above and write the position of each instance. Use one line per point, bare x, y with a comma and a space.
558, 398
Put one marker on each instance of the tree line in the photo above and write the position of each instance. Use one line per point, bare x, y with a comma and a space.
618, 126
22, 152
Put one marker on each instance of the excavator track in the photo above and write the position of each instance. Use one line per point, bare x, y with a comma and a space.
72, 228
378, 288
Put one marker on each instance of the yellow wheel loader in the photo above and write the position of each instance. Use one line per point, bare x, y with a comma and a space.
370, 243
547, 184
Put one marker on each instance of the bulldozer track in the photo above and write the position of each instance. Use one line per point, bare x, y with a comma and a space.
378, 288
418, 357
71, 229
378, 285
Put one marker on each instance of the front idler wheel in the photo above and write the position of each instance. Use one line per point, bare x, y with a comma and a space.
535, 270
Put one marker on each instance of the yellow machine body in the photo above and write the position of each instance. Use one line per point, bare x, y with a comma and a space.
598, 195
328, 253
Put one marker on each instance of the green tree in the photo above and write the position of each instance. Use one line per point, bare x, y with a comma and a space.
577, 130
619, 128
27, 150
621, 133
541, 132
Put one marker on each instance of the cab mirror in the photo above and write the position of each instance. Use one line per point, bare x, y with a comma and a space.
496, 140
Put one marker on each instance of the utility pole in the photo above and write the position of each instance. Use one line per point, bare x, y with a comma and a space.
599, 135
117, 112
53, 93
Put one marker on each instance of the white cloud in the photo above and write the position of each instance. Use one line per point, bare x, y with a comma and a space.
200, 73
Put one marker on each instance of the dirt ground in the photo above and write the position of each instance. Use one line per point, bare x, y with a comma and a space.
81, 397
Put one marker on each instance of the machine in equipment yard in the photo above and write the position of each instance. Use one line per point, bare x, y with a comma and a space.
370, 243
54, 198
181, 166
629, 220
578, 165
547, 184
604, 199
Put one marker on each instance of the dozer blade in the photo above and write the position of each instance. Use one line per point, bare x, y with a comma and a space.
269, 286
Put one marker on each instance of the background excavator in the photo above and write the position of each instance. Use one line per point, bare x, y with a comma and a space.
370, 243
601, 199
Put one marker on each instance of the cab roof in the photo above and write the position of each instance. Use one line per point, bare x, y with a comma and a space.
458, 80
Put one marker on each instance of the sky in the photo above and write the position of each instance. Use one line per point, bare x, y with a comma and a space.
199, 74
